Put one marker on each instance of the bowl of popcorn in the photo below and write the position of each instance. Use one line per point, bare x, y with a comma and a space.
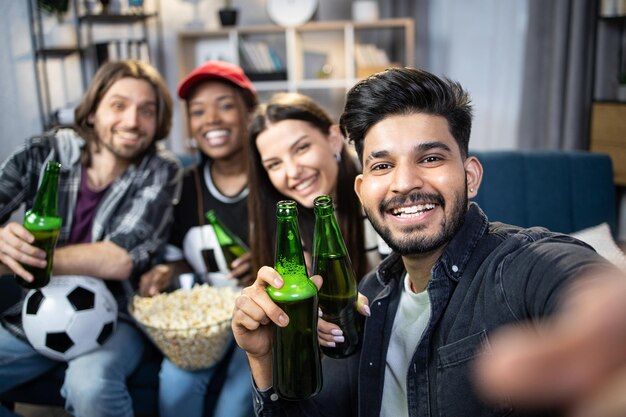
191, 327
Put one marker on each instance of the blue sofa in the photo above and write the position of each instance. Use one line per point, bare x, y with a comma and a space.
563, 191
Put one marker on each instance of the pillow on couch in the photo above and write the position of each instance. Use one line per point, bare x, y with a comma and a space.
599, 237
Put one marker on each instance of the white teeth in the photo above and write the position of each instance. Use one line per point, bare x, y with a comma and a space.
216, 133
305, 184
128, 136
405, 211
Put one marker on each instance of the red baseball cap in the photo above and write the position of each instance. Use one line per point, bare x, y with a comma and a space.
215, 70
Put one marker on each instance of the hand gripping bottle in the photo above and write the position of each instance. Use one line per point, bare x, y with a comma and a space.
296, 366
338, 294
43, 221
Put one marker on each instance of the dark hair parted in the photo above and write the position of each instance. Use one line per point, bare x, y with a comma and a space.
107, 75
405, 91
264, 196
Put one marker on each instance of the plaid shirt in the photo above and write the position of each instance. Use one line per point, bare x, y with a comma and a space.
135, 213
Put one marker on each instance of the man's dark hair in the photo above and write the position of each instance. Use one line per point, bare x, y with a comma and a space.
405, 91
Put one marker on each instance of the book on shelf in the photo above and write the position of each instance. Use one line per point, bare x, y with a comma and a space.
276, 61
127, 49
117, 49
213, 49
259, 57
368, 55
371, 59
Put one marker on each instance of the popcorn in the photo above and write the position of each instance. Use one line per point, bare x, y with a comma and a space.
190, 326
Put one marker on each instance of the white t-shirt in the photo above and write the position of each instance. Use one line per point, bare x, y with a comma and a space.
375, 247
408, 326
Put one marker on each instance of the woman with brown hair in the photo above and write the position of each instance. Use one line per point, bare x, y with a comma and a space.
297, 152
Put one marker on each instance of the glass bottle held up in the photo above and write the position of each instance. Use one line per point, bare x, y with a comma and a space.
296, 366
43, 221
232, 247
338, 294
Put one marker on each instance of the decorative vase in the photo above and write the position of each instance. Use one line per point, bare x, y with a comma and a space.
228, 17
364, 10
105, 6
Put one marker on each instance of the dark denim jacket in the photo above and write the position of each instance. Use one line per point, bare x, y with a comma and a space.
490, 274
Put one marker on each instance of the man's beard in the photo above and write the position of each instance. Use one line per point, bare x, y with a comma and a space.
411, 242
123, 154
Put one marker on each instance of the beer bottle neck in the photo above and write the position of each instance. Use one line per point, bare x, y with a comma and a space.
289, 253
45, 203
224, 236
327, 236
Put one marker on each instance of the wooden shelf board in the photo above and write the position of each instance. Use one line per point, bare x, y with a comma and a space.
57, 52
608, 135
115, 18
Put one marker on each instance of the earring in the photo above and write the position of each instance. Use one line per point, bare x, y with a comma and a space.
338, 157
191, 143
471, 190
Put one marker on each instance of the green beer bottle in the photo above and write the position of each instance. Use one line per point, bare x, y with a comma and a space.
43, 221
296, 366
338, 294
231, 245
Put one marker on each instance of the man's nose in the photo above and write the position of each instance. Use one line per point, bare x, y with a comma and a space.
131, 116
406, 178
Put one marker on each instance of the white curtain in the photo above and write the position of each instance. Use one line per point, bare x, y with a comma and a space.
558, 74
479, 43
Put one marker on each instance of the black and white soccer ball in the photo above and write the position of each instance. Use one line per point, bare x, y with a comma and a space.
70, 316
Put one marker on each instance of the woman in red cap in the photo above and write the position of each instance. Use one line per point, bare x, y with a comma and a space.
219, 100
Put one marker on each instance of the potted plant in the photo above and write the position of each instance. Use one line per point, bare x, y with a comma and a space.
228, 14
55, 7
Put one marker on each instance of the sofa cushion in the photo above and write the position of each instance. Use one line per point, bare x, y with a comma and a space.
564, 191
599, 237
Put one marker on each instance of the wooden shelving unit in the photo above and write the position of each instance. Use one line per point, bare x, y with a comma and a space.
85, 47
318, 58
608, 109
608, 135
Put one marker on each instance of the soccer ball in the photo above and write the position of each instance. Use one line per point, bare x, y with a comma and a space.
70, 316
